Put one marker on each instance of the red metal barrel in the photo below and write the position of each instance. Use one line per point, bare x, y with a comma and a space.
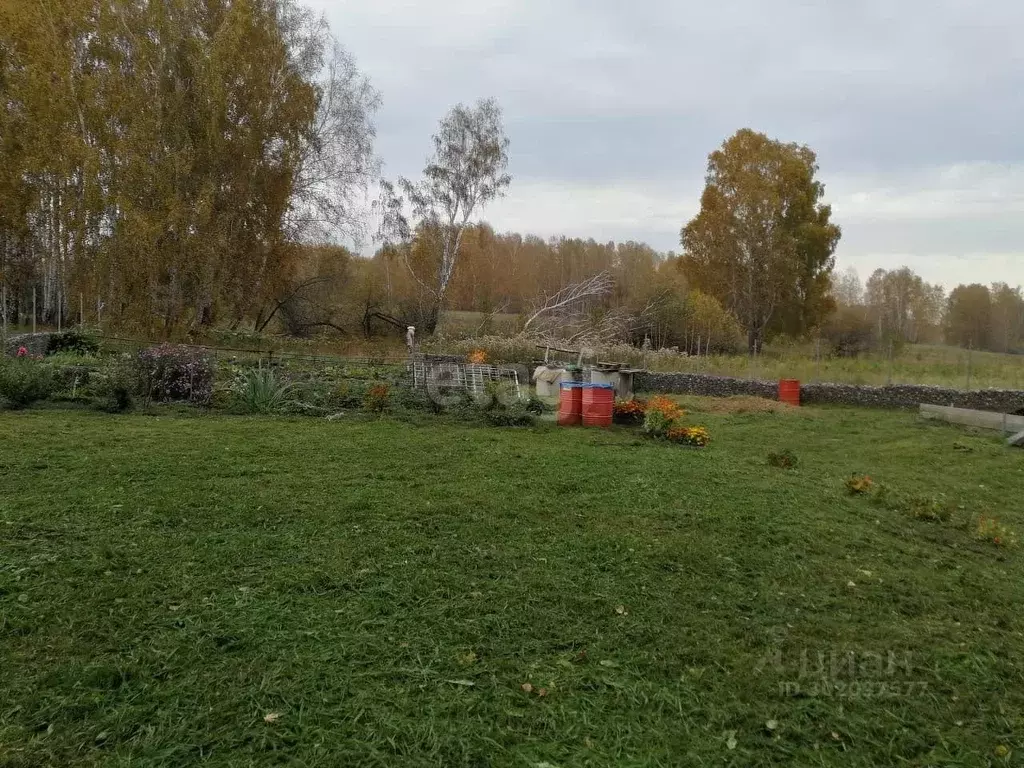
598, 403
789, 391
570, 404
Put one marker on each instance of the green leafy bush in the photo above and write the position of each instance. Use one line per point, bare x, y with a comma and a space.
662, 415
536, 406
117, 384
71, 381
24, 381
73, 341
260, 390
514, 415
413, 399
348, 394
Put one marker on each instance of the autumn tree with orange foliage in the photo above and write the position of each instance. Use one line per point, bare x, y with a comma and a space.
763, 242
164, 158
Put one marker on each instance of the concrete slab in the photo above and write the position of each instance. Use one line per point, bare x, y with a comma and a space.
1001, 422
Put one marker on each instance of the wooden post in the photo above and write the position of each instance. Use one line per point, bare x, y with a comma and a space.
33, 309
970, 361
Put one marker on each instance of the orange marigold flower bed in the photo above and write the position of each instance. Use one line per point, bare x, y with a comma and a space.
629, 412
695, 436
670, 409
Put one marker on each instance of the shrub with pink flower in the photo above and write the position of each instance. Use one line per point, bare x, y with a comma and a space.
22, 352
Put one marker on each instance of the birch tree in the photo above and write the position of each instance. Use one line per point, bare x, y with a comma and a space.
763, 241
466, 171
162, 158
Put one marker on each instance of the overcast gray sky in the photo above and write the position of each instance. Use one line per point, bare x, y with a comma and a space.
915, 108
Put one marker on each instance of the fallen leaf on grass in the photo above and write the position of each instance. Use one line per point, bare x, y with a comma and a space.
271, 717
731, 742
527, 687
771, 725
621, 610
464, 683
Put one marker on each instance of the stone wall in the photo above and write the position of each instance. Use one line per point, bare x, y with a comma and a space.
702, 384
35, 343
896, 396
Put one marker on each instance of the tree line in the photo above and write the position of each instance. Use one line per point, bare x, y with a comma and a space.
896, 307
621, 291
757, 259
166, 158
183, 164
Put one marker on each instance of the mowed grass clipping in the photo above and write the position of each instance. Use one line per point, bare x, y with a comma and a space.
240, 591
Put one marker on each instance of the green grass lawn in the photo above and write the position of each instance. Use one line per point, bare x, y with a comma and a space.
934, 365
242, 591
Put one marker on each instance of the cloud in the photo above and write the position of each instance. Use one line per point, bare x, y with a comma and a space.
602, 212
611, 107
968, 191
